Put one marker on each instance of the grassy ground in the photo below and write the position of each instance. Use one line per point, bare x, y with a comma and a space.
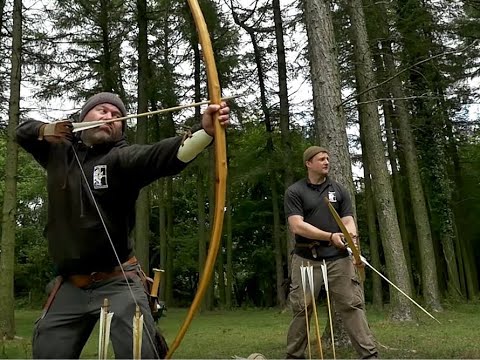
222, 334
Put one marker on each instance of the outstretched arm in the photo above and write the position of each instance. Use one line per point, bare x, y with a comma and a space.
146, 163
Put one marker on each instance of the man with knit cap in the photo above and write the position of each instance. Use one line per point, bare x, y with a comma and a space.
93, 182
317, 239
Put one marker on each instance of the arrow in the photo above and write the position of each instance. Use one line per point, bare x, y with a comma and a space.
85, 125
396, 287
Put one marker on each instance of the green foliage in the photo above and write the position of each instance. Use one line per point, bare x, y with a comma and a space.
33, 268
93, 61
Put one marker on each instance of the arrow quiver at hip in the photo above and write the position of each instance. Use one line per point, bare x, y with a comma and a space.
151, 289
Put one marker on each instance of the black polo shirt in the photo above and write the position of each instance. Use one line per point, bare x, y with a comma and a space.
307, 200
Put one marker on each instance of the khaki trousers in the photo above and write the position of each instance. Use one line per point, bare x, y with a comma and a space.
346, 291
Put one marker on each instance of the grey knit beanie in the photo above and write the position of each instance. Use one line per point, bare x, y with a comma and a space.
312, 151
102, 98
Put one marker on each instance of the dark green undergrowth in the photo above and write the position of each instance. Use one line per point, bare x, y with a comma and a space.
225, 334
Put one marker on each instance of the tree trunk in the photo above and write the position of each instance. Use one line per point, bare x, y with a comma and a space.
142, 221
221, 277
419, 44
377, 293
162, 221
210, 295
430, 289
398, 192
410, 165
462, 242
202, 243
271, 167
9, 210
329, 116
2, 7
284, 122
330, 121
170, 244
384, 203
110, 58
277, 244
229, 250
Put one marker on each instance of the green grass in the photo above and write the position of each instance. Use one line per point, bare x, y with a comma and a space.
224, 334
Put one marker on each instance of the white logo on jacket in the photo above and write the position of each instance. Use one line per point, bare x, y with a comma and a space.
100, 177
332, 197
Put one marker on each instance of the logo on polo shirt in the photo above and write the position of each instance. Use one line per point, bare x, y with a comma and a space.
100, 177
332, 197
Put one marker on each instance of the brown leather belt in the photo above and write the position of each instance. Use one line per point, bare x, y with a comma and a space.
86, 280
311, 244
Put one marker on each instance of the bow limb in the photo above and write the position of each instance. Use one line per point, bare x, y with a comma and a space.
346, 234
220, 171
361, 260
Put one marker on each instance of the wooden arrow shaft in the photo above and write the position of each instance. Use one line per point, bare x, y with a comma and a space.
85, 125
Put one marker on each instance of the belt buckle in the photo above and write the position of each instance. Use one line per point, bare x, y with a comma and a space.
314, 252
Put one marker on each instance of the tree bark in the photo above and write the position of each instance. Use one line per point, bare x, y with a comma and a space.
170, 243
210, 295
162, 223
142, 221
430, 288
284, 125
384, 203
221, 277
329, 115
377, 293
419, 44
9, 209
330, 121
277, 244
272, 171
201, 232
229, 251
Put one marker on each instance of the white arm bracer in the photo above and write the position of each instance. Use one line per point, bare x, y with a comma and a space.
193, 146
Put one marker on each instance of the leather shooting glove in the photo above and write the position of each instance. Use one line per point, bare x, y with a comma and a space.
56, 132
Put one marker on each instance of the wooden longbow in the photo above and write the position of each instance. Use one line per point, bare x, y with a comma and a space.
220, 172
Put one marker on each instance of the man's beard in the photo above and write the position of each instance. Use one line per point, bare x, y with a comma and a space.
95, 137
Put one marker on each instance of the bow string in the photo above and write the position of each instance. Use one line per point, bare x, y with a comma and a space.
220, 183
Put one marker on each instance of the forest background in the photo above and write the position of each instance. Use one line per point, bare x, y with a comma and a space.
391, 84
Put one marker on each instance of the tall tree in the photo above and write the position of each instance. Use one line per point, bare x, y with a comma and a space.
377, 295
93, 61
284, 118
384, 203
416, 26
229, 250
271, 164
142, 227
406, 143
330, 121
9, 209
3, 57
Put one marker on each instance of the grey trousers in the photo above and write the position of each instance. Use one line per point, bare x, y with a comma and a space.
66, 327
347, 293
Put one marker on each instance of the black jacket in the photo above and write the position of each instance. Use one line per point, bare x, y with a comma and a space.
115, 172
